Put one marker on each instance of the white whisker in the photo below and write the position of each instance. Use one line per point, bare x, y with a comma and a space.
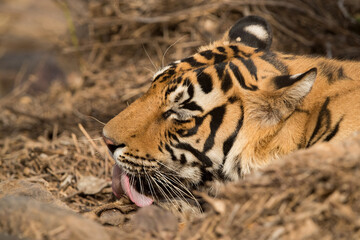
162, 60
164, 194
97, 120
147, 54
184, 190
151, 187
177, 191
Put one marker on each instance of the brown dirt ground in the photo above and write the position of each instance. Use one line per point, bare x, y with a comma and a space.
55, 173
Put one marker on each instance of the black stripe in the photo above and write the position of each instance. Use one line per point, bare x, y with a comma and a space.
229, 142
226, 83
178, 121
191, 106
125, 160
239, 77
169, 150
341, 74
219, 58
183, 159
200, 156
190, 90
193, 62
271, 58
205, 82
221, 49
217, 116
322, 121
290, 57
177, 80
157, 77
334, 131
168, 73
284, 81
328, 71
208, 54
287, 80
302, 142
192, 131
170, 90
206, 176
173, 137
239, 169
220, 173
233, 99
220, 68
249, 64
235, 50
244, 54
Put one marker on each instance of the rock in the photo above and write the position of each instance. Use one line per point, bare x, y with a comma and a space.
91, 184
156, 221
25, 217
28, 189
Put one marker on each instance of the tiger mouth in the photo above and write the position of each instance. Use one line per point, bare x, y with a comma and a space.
144, 190
121, 183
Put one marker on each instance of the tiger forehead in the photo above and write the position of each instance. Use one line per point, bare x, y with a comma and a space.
207, 57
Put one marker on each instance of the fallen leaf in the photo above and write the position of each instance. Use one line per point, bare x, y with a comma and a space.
91, 185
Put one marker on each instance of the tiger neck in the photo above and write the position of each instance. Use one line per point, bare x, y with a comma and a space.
329, 70
333, 79
258, 148
298, 130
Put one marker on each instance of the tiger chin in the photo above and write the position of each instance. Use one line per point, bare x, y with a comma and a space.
232, 107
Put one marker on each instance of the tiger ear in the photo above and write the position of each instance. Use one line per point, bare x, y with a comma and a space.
274, 105
252, 31
298, 85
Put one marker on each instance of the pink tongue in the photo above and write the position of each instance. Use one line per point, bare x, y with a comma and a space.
121, 183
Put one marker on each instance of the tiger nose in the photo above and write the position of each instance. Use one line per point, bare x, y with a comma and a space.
112, 146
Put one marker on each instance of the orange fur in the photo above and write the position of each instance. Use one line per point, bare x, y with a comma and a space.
252, 106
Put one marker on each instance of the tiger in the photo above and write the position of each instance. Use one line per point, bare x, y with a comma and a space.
229, 109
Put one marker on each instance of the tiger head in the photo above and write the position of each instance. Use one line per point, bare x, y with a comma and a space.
206, 119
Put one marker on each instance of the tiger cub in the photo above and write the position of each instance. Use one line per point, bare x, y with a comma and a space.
233, 106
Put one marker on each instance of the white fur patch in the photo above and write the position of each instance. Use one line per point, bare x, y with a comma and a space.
295, 76
209, 100
161, 71
303, 87
118, 152
238, 39
178, 90
258, 31
231, 165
